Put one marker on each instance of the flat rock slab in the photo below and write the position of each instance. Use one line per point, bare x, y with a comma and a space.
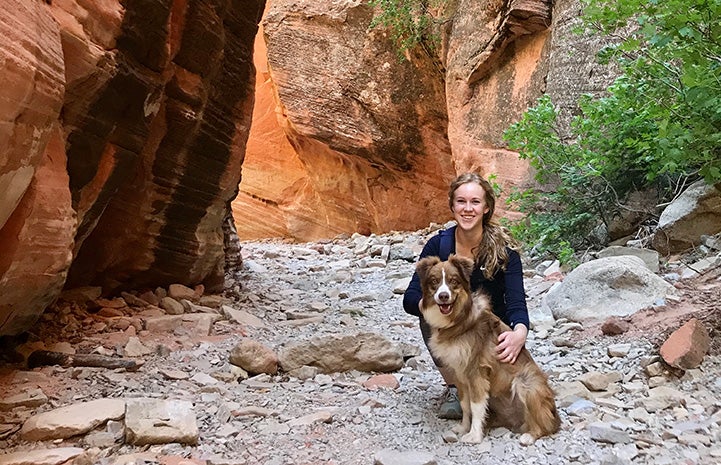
409, 457
71, 420
152, 421
31, 398
41, 456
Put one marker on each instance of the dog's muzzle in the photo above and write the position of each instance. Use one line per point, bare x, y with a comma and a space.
444, 302
443, 296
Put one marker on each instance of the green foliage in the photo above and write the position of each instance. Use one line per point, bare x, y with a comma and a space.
497, 188
410, 22
558, 218
665, 110
658, 122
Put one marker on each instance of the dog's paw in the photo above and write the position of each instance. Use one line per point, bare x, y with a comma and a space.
460, 429
526, 439
472, 438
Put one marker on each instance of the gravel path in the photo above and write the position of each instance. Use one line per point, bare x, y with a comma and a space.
334, 419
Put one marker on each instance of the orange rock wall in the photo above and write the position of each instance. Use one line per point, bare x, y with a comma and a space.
496, 70
348, 138
123, 127
37, 223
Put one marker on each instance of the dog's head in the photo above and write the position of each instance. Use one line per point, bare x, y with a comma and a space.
446, 288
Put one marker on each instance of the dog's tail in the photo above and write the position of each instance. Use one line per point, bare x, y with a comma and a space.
541, 416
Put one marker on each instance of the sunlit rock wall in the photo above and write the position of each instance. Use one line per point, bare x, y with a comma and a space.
346, 135
37, 224
122, 129
348, 138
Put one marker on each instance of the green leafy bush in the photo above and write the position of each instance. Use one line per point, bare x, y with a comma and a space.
658, 124
411, 22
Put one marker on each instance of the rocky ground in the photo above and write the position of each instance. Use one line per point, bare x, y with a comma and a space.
619, 404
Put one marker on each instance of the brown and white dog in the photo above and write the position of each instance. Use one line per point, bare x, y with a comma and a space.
464, 338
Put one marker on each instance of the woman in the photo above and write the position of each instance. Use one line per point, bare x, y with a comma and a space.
498, 271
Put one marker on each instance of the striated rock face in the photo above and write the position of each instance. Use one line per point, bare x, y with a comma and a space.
37, 224
346, 137
123, 129
154, 152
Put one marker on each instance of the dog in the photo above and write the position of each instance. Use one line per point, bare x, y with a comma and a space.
464, 335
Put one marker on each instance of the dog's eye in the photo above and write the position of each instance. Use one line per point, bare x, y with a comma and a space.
433, 281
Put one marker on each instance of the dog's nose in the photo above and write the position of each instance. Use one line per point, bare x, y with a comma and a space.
444, 296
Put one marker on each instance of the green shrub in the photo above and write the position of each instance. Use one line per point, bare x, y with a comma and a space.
410, 22
659, 123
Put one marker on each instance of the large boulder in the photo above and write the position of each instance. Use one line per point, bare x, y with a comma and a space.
363, 351
697, 211
606, 287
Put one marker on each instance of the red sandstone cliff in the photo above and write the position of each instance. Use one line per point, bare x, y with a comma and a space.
123, 130
345, 137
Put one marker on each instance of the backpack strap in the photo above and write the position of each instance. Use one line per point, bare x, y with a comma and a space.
447, 239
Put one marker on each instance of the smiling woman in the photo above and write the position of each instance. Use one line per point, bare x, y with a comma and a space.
497, 269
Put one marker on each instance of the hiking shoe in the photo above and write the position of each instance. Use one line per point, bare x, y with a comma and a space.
451, 406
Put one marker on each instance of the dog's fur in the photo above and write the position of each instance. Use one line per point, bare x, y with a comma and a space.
464, 338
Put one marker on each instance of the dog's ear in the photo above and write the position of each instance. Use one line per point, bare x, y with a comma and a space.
425, 264
464, 265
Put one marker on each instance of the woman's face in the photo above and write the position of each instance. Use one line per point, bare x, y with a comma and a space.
469, 206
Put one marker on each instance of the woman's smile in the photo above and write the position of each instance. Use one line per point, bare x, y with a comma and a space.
469, 205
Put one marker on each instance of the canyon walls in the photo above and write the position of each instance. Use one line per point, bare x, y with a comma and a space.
123, 130
131, 129
348, 136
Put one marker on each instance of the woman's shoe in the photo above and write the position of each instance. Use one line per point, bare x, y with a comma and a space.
451, 406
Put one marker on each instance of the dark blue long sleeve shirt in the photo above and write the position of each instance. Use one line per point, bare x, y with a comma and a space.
505, 289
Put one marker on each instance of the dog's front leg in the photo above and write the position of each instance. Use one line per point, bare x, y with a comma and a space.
465, 425
478, 406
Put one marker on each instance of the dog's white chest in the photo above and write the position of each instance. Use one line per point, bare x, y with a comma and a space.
455, 354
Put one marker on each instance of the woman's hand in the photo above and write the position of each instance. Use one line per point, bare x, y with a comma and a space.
510, 343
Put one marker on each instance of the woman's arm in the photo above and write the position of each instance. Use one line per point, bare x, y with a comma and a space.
516, 308
510, 343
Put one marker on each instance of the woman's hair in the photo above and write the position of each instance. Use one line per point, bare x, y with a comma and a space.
491, 253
